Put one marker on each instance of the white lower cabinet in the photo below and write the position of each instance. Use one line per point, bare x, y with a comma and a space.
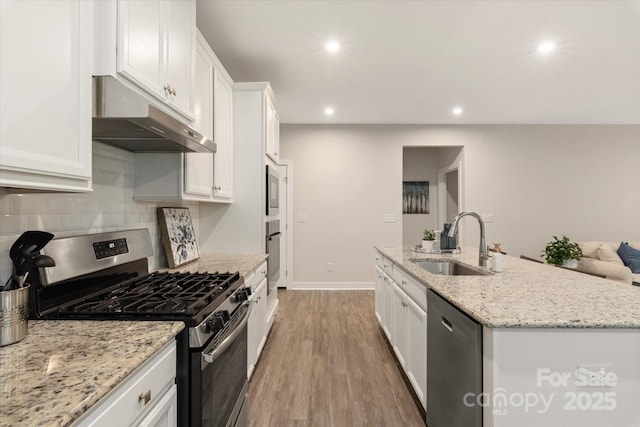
257, 327
165, 413
146, 398
399, 336
379, 300
401, 310
416, 355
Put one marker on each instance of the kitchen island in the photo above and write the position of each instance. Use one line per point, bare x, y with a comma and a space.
559, 348
63, 368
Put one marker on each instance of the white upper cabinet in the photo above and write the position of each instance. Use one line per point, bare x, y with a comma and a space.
223, 131
152, 44
273, 130
46, 52
211, 175
205, 177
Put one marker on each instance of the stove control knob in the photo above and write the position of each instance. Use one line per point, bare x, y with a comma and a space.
217, 322
242, 295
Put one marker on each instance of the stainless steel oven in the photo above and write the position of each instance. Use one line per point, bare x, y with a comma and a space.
273, 191
106, 276
220, 376
273, 250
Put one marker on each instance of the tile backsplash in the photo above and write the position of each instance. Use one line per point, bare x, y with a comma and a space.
109, 207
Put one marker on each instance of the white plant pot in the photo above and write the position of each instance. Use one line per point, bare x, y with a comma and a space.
428, 245
570, 263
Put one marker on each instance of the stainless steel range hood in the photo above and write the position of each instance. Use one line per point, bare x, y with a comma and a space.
124, 118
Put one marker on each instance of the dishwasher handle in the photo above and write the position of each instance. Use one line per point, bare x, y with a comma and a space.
447, 324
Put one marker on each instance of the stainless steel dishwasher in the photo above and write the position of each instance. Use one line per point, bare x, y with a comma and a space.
454, 365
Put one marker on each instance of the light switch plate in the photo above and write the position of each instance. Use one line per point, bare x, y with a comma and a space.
302, 217
389, 218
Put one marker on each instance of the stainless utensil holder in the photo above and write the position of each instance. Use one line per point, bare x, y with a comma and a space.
14, 315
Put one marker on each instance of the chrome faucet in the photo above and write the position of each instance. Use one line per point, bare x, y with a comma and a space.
484, 250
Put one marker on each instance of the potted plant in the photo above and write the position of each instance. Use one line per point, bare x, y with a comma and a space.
562, 252
428, 239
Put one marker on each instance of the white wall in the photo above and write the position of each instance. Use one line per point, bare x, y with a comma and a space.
537, 180
109, 207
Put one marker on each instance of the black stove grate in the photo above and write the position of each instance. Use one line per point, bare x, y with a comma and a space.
158, 294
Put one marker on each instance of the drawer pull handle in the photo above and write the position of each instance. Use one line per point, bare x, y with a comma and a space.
145, 396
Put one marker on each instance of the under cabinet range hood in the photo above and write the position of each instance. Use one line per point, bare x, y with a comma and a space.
124, 118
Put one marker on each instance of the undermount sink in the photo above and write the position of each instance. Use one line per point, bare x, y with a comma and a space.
448, 268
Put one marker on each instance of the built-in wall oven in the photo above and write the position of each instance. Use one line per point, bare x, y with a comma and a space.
273, 250
273, 191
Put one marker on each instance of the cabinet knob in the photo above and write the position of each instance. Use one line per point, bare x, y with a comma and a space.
146, 397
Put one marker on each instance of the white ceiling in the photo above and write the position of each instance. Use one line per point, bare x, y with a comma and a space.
411, 61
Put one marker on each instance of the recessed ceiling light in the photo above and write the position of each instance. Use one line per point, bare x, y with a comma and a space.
457, 111
329, 111
546, 47
332, 46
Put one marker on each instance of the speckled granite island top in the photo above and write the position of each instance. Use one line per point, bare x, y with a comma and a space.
212, 262
62, 368
528, 294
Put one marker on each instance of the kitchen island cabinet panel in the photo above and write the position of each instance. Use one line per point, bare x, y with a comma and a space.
45, 129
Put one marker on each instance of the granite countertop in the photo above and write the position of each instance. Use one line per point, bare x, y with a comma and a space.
212, 262
62, 368
528, 294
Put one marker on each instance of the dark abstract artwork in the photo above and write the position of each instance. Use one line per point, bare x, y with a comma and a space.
415, 197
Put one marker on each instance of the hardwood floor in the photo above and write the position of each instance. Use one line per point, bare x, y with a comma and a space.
326, 363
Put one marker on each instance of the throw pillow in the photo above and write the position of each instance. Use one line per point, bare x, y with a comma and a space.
605, 253
630, 257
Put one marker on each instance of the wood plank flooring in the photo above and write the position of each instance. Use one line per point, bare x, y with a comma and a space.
326, 363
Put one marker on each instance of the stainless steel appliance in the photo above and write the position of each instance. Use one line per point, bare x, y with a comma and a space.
273, 250
124, 118
105, 276
273, 191
454, 365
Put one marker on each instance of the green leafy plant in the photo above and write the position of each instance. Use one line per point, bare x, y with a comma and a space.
429, 235
558, 251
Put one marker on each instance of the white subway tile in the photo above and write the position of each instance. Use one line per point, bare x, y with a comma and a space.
26, 204
50, 223
72, 222
13, 224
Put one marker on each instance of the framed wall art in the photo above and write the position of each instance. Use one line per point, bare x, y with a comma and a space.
178, 238
415, 197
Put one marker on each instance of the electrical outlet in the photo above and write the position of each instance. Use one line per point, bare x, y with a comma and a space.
302, 217
389, 218
330, 267
487, 217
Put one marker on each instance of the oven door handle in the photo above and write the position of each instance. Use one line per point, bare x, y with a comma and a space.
211, 356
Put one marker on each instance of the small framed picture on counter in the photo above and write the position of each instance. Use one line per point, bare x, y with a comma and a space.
178, 238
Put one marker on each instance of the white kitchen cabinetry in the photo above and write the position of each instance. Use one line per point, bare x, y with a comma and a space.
204, 177
156, 49
399, 336
402, 300
379, 296
46, 51
146, 398
273, 129
416, 355
257, 327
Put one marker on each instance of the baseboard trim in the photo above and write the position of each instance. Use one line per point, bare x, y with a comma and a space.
333, 286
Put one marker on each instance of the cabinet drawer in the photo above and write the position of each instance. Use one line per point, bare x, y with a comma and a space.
253, 278
138, 393
413, 288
